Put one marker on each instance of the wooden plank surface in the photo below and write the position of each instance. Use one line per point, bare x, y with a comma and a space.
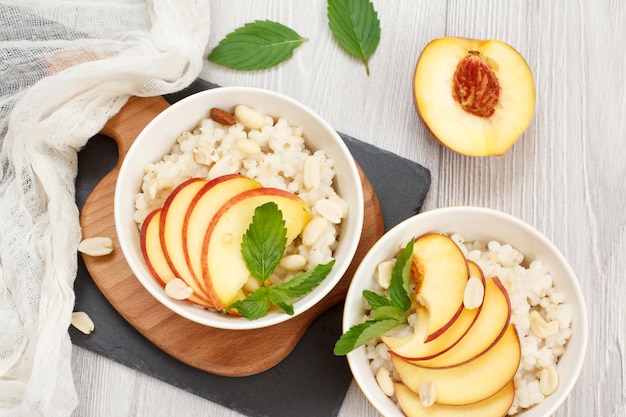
565, 176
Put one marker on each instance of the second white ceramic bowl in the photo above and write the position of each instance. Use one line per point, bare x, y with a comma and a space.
473, 223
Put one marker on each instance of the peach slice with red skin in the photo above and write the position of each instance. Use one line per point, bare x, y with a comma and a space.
171, 225
199, 213
477, 97
414, 346
472, 381
223, 267
495, 406
489, 327
156, 261
440, 273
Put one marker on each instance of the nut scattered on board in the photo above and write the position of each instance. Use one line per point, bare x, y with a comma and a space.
222, 116
82, 322
96, 246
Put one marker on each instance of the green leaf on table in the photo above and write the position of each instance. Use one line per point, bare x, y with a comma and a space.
356, 27
258, 45
264, 242
362, 333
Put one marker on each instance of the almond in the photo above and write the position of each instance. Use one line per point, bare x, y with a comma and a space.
222, 117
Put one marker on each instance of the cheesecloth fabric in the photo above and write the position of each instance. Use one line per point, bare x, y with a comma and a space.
66, 67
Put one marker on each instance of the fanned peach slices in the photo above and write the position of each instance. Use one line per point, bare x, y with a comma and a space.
196, 235
463, 352
477, 97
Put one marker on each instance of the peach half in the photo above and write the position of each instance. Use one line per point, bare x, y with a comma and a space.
477, 97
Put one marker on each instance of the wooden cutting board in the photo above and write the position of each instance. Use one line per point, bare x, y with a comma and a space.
218, 351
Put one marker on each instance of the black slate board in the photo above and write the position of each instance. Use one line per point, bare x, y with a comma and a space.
311, 379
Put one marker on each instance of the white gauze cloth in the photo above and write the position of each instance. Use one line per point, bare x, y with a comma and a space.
66, 67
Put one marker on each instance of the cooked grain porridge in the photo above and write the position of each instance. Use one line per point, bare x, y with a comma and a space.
531, 291
275, 155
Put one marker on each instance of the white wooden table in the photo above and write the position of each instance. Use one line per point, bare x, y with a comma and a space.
565, 176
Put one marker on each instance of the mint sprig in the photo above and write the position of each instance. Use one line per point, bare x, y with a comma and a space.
264, 242
258, 45
262, 247
356, 27
386, 313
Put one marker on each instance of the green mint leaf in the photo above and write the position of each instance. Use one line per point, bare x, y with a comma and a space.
255, 46
303, 283
265, 241
356, 27
253, 306
280, 299
361, 334
375, 300
388, 312
399, 287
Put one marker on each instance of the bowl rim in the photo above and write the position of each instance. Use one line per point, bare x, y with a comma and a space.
399, 233
215, 319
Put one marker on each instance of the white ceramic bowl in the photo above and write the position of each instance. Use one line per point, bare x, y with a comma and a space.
473, 223
156, 140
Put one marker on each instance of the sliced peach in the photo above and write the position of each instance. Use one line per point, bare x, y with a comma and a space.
471, 382
477, 97
489, 327
414, 347
206, 202
224, 270
172, 223
440, 273
155, 258
495, 406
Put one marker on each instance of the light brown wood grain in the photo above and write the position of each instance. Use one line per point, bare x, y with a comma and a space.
219, 351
